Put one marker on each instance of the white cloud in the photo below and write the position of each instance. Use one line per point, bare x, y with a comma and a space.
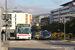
31, 11
28, 9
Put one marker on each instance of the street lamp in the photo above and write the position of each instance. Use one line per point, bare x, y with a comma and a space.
6, 17
64, 30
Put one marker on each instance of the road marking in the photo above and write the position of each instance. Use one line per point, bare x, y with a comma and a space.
35, 41
20, 41
12, 41
46, 41
27, 41
52, 41
61, 41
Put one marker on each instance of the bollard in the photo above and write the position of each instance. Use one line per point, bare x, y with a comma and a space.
3, 37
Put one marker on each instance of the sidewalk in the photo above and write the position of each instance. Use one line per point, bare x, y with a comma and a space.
66, 40
69, 40
4, 46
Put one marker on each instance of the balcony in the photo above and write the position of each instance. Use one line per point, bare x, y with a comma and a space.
65, 15
65, 11
56, 13
65, 7
56, 17
67, 19
55, 10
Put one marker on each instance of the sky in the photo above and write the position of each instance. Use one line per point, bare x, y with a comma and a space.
34, 7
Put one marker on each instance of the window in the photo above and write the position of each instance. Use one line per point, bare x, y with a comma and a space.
26, 18
9, 22
8, 26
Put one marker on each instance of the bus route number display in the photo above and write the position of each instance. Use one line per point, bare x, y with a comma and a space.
23, 25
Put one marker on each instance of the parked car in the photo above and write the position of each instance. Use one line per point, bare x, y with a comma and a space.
33, 34
43, 35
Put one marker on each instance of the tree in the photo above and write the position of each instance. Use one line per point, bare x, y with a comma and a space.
70, 26
38, 28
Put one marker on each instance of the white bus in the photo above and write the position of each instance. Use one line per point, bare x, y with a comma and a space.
23, 31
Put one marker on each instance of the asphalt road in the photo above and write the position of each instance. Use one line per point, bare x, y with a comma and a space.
40, 45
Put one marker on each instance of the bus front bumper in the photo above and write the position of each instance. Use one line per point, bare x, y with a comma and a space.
23, 37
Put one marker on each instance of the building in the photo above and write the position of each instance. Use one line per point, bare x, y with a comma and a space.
43, 16
35, 19
66, 12
1, 16
45, 21
17, 18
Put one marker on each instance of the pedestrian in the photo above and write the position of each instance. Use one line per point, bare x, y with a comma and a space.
3, 32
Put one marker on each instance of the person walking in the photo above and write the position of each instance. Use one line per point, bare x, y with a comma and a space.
3, 32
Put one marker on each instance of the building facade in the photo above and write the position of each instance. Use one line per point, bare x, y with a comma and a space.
37, 19
45, 21
43, 16
67, 13
17, 18
1, 16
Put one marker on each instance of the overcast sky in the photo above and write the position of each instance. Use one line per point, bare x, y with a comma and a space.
34, 6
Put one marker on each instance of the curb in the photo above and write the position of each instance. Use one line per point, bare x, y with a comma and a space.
68, 40
72, 41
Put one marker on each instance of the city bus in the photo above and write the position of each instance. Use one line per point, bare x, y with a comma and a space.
23, 31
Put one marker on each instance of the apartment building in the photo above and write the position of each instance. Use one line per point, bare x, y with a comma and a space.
17, 17
45, 21
37, 18
1, 12
43, 16
67, 13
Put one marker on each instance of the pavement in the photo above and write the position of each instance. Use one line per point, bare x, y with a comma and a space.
34, 44
4, 45
41, 45
69, 40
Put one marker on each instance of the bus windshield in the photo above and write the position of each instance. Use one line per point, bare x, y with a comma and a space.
23, 30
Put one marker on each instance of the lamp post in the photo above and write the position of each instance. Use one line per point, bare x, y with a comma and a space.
0, 33
6, 17
64, 30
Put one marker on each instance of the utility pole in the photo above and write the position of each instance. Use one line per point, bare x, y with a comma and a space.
64, 30
6, 17
0, 33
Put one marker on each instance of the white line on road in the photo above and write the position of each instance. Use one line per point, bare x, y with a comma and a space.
27, 41
12, 41
35, 41
20, 41
52, 41
46, 41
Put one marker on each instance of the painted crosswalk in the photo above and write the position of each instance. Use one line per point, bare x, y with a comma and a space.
36, 41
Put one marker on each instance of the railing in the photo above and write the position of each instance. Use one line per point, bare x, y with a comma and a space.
65, 7
56, 13
65, 15
56, 17
66, 19
65, 11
